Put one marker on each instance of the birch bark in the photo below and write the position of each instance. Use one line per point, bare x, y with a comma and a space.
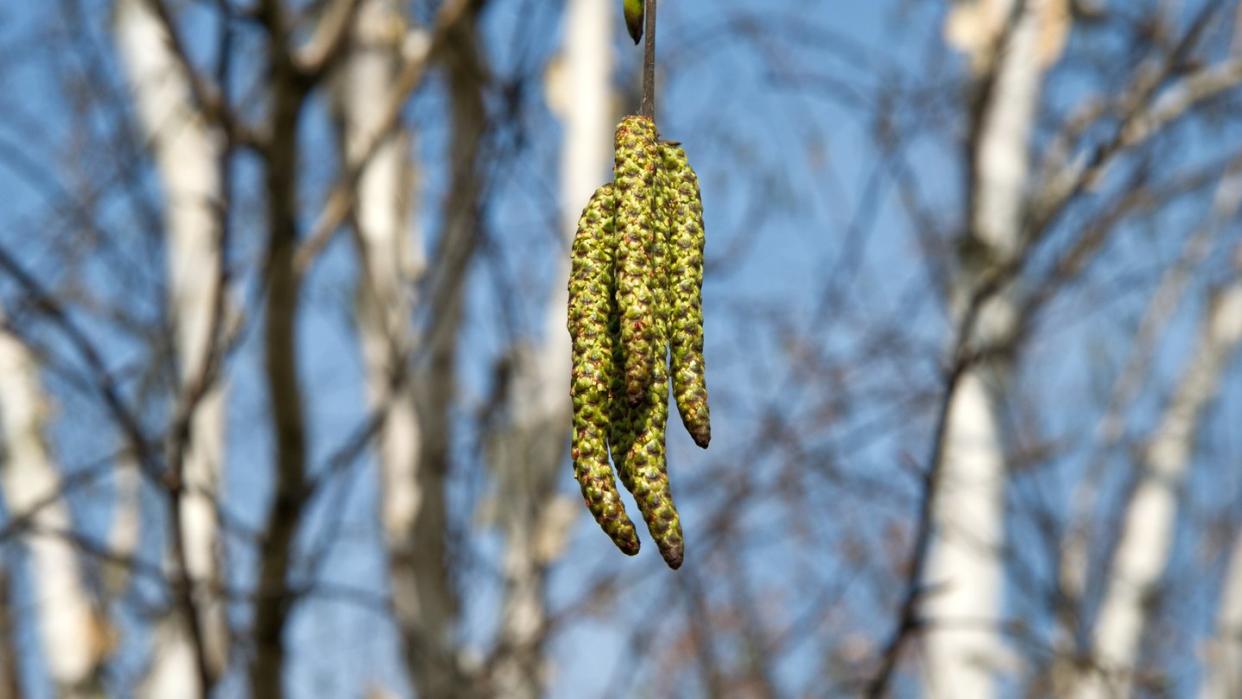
535, 521
431, 648
1224, 665
964, 573
73, 635
1146, 538
1146, 541
188, 154
390, 248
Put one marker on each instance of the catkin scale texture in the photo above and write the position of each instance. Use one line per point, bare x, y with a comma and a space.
591, 308
636, 439
636, 162
686, 240
638, 431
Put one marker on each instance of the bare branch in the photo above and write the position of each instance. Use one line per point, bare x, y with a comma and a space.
341, 199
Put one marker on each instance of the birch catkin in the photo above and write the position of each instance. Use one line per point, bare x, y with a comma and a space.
686, 241
635, 305
591, 308
639, 453
637, 437
637, 156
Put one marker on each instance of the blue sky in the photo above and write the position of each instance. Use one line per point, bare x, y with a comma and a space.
796, 198
738, 118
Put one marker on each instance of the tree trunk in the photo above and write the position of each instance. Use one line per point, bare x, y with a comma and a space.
75, 637
1146, 537
534, 519
419, 556
1224, 664
188, 153
274, 601
964, 569
389, 248
412, 507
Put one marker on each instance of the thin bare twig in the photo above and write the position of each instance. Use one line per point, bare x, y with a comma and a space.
908, 620
211, 100
330, 40
647, 108
341, 200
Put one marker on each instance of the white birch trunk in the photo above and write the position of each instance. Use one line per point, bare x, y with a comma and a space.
964, 572
1075, 549
188, 154
74, 637
1151, 515
1223, 669
1224, 665
390, 250
389, 246
536, 522
125, 532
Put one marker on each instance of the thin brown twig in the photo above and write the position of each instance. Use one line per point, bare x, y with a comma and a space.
341, 201
908, 618
211, 100
331, 39
647, 107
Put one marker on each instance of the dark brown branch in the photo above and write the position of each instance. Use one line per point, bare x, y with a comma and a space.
275, 607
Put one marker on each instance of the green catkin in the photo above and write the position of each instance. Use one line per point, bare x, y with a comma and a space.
646, 469
620, 413
637, 157
685, 267
591, 308
638, 432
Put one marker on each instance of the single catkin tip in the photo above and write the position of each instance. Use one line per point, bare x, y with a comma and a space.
628, 545
702, 437
673, 555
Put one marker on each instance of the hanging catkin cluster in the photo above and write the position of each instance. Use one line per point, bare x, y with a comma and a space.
636, 321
